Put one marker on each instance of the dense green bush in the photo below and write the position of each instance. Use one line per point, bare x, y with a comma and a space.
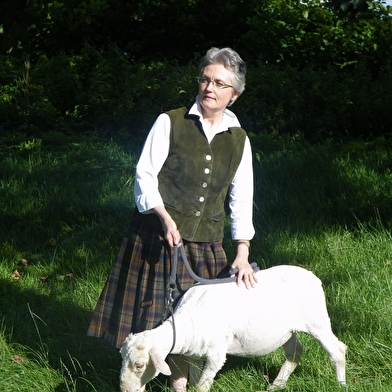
113, 67
317, 103
107, 91
93, 90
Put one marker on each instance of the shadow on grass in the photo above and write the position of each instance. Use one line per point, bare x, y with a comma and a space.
57, 331
50, 194
319, 187
311, 190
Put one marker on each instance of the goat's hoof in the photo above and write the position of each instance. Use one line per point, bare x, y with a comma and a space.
274, 387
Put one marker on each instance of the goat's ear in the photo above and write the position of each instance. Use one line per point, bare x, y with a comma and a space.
160, 363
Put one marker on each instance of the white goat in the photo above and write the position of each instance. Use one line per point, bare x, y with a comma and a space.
218, 319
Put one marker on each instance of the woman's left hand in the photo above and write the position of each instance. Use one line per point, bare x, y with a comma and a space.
245, 270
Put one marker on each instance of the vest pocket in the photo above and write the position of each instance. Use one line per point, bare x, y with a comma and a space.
218, 217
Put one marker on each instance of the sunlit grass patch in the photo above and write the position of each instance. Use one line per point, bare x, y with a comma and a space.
66, 206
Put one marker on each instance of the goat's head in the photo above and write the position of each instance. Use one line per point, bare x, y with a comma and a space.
141, 362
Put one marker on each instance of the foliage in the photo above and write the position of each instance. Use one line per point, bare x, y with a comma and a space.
349, 8
310, 33
109, 93
93, 90
112, 67
272, 30
317, 103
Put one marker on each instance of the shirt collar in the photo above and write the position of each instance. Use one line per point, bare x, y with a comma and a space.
229, 118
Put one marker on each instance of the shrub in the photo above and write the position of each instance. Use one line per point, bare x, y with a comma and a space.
108, 92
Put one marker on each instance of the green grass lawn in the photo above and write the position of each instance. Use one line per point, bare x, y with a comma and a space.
65, 205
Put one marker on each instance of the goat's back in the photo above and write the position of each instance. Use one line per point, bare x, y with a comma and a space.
285, 299
276, 285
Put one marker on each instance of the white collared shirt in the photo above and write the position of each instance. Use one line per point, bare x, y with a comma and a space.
155, 152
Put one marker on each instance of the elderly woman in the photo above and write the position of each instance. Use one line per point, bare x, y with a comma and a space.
192, 160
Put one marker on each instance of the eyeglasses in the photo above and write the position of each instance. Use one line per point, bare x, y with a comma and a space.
218, 84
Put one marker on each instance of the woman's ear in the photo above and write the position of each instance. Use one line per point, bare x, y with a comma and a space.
233, 98
236, 94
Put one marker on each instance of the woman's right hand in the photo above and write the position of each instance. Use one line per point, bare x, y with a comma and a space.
171, 233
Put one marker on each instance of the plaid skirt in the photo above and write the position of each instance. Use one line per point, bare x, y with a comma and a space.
135, 294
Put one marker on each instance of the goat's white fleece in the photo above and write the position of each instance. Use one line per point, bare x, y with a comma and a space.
212, 321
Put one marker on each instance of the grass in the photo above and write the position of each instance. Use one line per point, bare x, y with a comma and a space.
66, 202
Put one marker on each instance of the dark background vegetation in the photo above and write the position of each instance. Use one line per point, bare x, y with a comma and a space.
321, 70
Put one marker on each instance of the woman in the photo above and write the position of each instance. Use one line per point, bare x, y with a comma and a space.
191, 161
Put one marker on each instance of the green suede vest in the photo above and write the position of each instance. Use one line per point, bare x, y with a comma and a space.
196, 176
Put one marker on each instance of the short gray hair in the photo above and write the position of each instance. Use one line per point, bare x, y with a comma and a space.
231, 60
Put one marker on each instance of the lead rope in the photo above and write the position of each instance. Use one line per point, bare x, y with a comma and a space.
233, 271
172, 283
173, 274
170, 288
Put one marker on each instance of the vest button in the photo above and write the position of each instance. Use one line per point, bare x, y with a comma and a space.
201, 199
197, 213
206, 170
204, 185
208, 157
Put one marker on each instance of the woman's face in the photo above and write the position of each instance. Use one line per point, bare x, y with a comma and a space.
212, 99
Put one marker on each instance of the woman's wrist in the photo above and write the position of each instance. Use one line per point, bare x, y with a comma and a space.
243, 247
243, 242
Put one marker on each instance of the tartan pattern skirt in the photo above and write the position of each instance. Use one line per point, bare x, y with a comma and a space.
135, 294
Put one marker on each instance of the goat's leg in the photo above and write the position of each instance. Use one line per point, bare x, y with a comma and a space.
179, 366
211, 367
319, 327
337, 353
339, 362
293, 352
